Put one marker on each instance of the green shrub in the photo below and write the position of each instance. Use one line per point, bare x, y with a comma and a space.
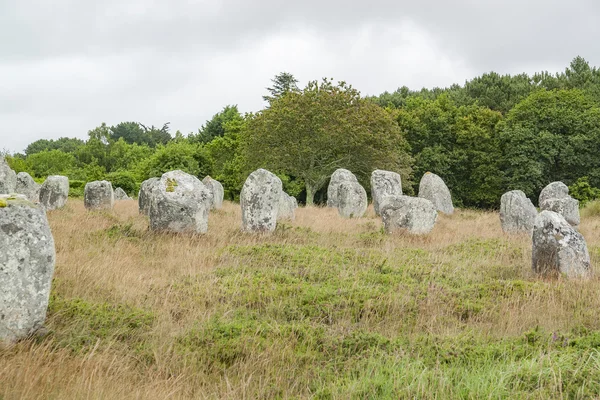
76, 188
583, 191
125, 180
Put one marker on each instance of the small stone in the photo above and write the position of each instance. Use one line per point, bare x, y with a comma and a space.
555, 197
352, 199
384, 183
27, 186
120, 194
415, 215
433, 188
54, 192
259, 201
517, 212
8, 178
98, 195
339, 176
216, 190
554, 190
145, 194
287, 207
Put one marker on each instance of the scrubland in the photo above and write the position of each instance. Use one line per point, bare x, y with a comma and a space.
324, 308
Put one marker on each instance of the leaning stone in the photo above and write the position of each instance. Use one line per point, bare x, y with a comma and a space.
568, 207
352, 199
27, 258
216, 190
558, 247
554, 190
121, 195
339, 176
384, 183
259, 201
145, 194
412, 214
8, 178
27, 186
517, 212
433, 188
179, 203
98, 195
54, 192
287, 207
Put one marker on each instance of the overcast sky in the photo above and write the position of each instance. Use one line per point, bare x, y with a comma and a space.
66, 66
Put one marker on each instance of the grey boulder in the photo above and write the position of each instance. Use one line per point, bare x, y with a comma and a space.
558, 247
145, 194
352, 199
179, 203
27, 186
216, 190
8, 178
412, 214
120, 194
339, 176
384, 183
27, 259
555, 197
287, 207
433, 188
54, 192
517, 212
259, 201
98, 195
554, 190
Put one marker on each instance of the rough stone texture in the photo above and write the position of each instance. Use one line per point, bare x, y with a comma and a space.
179, 203
433, 188
54, 192
27, 186
339, 176
412, 214
145, 194
8, 178
259, 200
384, 183
216, 190
98, 195
287, 207
568, 207
517, 212
27, 258
555, 190
352, 199
558, 247
121, 195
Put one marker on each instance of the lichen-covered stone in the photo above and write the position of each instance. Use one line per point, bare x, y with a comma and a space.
339, 176
8, 178
384, 183
558, 247
216, 190
259, 201
98, 195
352, 199
433, 188
27, 258
287, 207
145, 194
27, 186
179, 203
54, 192
517, 212
554, 190
120, 194
415, 215
555, 197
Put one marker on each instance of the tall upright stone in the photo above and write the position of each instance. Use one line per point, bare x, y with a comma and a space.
433, 188
415, 215
517, 212
27, 186
27, 258
8, 178
558, 247
98, 195
179, 203
287, 207
216, 190
555, 197
554, 190
340, 175
145, 194
120, 194
54, 192
259, 201
384, 183
352, 199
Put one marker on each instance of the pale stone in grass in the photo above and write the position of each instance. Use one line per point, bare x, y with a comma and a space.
98, 195
415, 215
8, 178
216, 190
287, 207
339, 176
27, 186
54, 192
352, 199
384, 183
145, 194
259, 201
517, 212
554, 190
120, 194
433, 188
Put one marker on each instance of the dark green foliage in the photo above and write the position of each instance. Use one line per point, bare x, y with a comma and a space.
125, 180
283, 83
583, 191
216, 127
67, 145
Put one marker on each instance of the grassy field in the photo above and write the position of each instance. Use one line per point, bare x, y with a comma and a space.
324, 308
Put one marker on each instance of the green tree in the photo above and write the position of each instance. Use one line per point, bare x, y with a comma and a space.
215, 127
283, 83
188, 157
51, 162
308, 134
67, 145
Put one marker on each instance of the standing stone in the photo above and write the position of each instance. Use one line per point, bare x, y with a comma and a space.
54, 192
287, 207
413, 214
555, 197
8, 178
145, 194
27, 186
216, 190
259, 200
352, 199
120, 194
339, 176
558, 247
433, 188
98, 195
27, 258
554, 190
384, 183
517, 212
179, 203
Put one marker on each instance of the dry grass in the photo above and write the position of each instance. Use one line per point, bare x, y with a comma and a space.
324, 307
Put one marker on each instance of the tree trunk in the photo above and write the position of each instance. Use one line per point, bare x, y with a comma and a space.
310, 195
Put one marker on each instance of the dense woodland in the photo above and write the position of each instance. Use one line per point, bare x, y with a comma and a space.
492, 134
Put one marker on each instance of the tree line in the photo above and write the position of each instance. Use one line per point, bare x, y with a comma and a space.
493, 134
